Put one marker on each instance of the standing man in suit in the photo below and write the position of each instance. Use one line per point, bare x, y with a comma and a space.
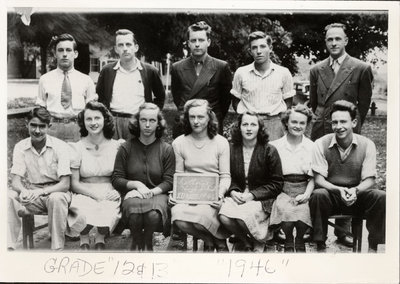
339, 77
125, 85
201, 76
65, 91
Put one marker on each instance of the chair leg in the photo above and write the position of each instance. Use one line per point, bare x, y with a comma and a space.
195, 244
28, 225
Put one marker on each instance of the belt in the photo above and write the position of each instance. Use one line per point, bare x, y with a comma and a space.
296, 178
44, 184
64, 120
121, 114
269, 116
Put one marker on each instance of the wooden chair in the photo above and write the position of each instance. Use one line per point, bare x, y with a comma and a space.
356, 233
28, 227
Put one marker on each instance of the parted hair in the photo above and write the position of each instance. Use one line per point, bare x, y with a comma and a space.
41, 113
134, 127
236, 134
300, 108
212, 127
257, 35
126, 32
343, 105
108, 129
63, 37
199, 26
336, 25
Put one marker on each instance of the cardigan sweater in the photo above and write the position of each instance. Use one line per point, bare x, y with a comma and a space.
151, 81
265, 179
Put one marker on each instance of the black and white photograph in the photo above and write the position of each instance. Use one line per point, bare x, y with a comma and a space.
218, 142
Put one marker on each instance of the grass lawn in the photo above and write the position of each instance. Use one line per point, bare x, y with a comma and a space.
374, 128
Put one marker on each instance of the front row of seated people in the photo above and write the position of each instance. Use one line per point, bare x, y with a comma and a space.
263, 186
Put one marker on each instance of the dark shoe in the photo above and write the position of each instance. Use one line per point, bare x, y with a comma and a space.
208, 248
307, 237
345, 240
279, 237
300, 247
221, 245
372, 247
233, 240
84, 247
179, 236
100, 246
321, 246
289, 247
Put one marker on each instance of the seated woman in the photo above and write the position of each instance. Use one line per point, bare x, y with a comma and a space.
291, 207
95, 203
202, 150
143, 174
256, 181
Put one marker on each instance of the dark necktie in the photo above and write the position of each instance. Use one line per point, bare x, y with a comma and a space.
66, 92
198, 66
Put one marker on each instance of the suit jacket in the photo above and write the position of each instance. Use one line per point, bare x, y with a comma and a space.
353, 83
213, 84
150, 78
265, 179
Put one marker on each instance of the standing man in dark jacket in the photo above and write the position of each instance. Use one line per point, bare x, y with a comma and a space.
125, 85
339, 77
201, 76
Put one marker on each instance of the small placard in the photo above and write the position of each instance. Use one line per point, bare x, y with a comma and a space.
196, 188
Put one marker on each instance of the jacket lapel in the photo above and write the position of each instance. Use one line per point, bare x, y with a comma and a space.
207, 71
189, 74
326, 73
343, 73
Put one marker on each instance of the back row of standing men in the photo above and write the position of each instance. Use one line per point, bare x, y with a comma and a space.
262, 86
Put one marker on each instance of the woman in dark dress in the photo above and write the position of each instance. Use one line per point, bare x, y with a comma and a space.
143, 174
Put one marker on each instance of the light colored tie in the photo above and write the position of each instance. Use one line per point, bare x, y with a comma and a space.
66, 92
335, 66
198, 66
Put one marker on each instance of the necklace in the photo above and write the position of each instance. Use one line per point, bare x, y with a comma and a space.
199, 145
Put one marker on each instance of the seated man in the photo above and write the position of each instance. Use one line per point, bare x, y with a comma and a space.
344, 165
44, 161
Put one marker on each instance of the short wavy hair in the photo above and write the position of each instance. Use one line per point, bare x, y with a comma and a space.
336, 25
343, 105
108, 128
199, 26
126, 32
259, 35
212, 127
63, 37
134, 127
300, 108
236, 134
41, 113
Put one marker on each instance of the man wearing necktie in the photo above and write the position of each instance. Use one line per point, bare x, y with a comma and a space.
65, 91
201, 76
339, 77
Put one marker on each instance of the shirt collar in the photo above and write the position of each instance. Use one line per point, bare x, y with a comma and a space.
301, 145
201, 61
28, 143
68, 72
138, 66
339, 60
334, 141
269, 71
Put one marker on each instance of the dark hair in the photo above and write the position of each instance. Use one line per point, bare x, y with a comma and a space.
41, 113
63, 37
199, 26
257, 35
343, 105
236, 134
108, 129
126, 32
336, 25
212, 127
300, 108
134, 127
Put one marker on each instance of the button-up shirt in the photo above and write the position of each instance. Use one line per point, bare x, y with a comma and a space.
49, 165
263, 94
50, 84
128, 89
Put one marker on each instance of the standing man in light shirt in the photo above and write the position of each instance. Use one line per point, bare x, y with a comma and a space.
65, 91
263, 86
338, 77
125, 85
